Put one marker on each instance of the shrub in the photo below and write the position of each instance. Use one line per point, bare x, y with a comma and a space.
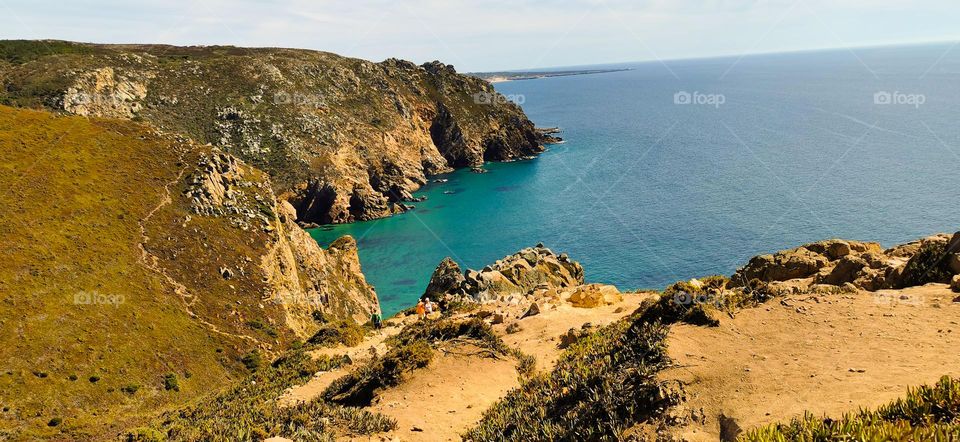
144, 435
130, 388
94, 379
359, 387
248, 410
54, 422
345, 332
170, 382
251, 360
601, 386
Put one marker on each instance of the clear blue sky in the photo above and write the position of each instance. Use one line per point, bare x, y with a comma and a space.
494, 34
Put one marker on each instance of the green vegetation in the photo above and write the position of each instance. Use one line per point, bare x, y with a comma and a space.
601, 387
251, 360
74, 296
22, 51
171, 382
359, 387
332, 333
409, 350
248, 411
927, 413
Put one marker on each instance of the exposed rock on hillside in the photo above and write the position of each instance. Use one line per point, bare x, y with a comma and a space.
518, 274
864, 264
342, 139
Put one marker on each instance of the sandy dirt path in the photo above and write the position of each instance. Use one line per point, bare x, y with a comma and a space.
828, 354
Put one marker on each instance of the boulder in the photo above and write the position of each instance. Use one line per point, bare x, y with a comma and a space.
533, 310
955, 283
446, 280
594, 295
953, 261
845, 271
782, 266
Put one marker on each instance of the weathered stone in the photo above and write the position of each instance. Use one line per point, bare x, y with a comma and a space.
533, 310
594, 295
446, 280
955, 283
845, 271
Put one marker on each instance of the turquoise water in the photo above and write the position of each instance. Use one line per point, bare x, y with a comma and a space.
645, 192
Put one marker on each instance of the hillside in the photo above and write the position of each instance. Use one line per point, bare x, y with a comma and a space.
342, 139
135, 261
525, 349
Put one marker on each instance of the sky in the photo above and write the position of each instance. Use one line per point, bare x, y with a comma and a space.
489, 35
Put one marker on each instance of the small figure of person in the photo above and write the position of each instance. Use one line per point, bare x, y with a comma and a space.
376, 319
428, 307
421, 310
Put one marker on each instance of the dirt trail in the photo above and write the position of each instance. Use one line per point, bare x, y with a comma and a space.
151, 263
441, 401
447, 398
828, 354
358, 353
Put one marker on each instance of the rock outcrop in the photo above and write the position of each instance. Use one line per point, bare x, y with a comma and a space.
514, 275
342, 139
298, 276
864, 265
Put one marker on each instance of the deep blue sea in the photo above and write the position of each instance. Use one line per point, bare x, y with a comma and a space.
688, 168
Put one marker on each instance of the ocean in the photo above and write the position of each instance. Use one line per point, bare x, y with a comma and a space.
680, 169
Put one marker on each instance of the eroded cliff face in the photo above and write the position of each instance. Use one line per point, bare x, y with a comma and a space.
342, 139
292, 274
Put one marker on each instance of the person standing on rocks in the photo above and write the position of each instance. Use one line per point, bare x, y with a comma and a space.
421, 310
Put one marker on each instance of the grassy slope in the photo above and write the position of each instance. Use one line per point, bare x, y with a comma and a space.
74, 191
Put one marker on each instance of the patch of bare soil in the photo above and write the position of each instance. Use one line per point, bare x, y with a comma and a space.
540, 335
448, 397
828, 354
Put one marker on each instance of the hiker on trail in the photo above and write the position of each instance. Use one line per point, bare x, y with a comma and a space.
376, 319
421, 310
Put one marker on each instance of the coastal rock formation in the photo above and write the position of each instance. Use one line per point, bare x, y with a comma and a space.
865, 265
342, 139
446, 279
517, 274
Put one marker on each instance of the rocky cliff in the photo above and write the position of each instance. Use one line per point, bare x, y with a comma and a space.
342, 139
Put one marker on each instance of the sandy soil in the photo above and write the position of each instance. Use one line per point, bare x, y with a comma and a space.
448, 397
540, 335
828, 354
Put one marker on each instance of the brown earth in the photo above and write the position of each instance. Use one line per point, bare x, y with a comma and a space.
827, 354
